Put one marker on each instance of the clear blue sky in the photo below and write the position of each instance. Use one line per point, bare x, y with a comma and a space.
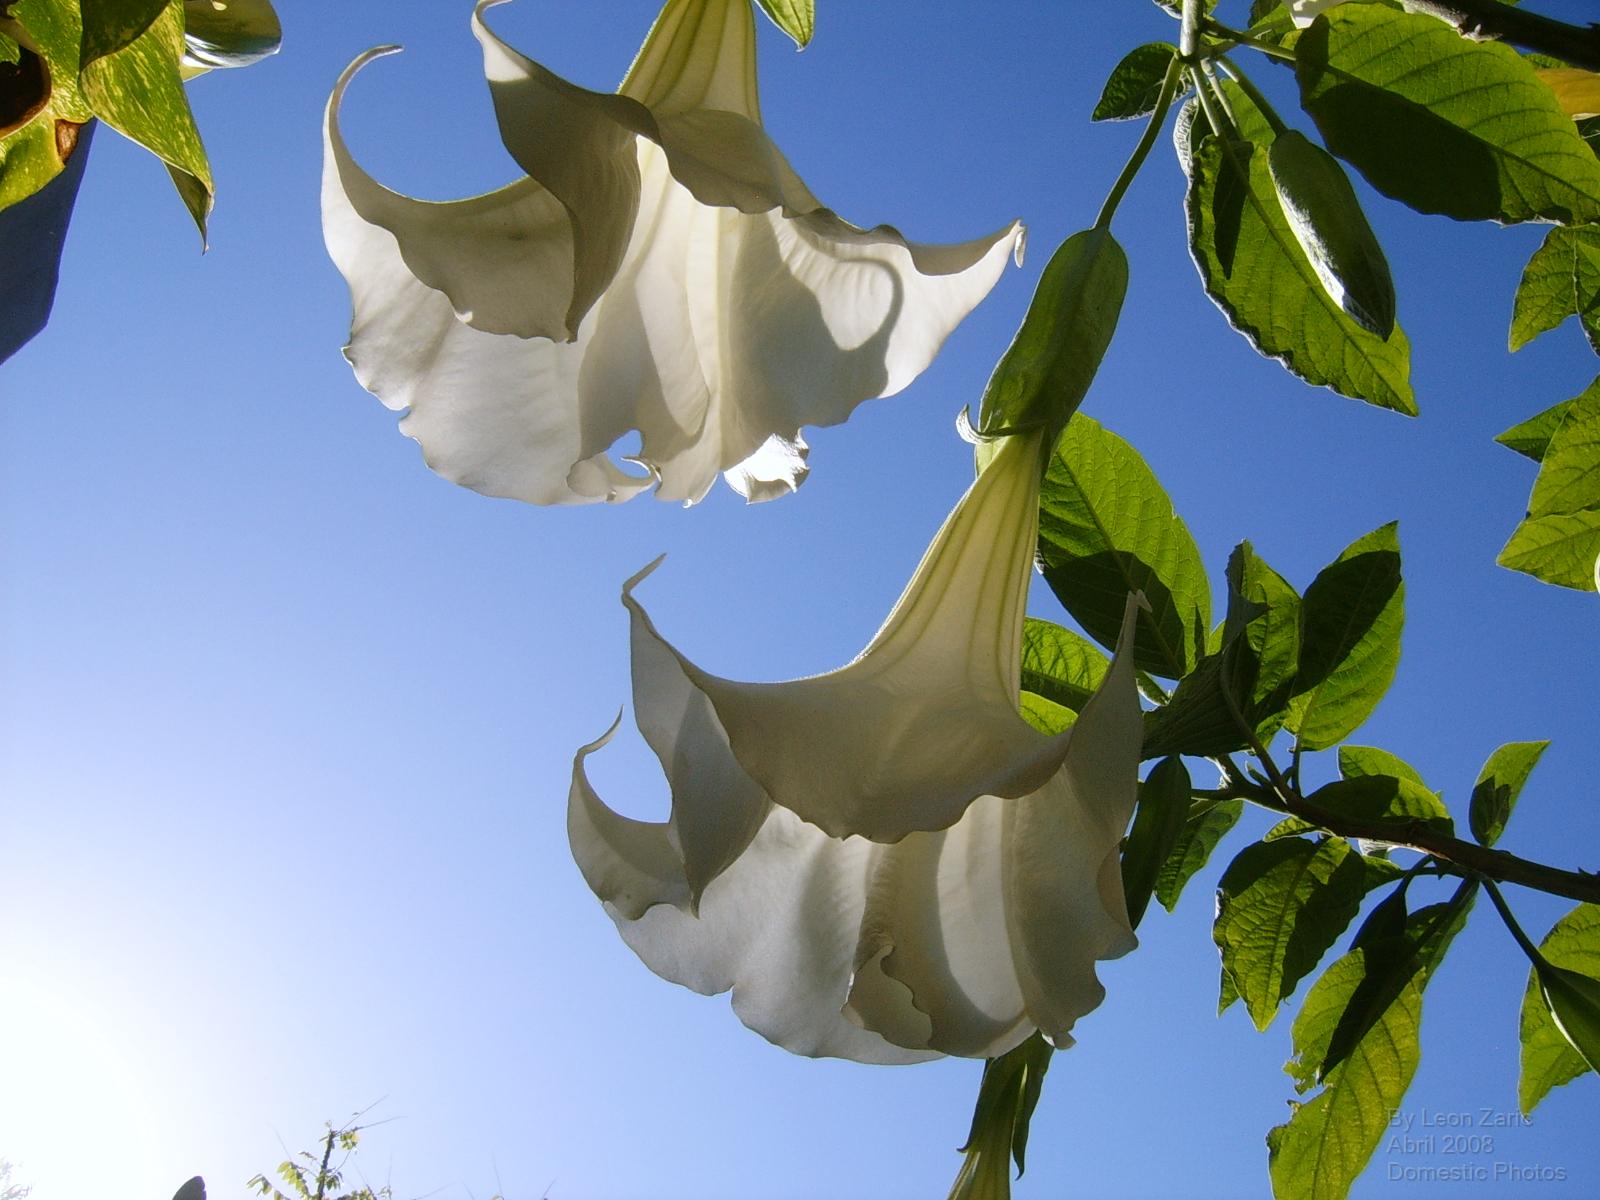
286, 721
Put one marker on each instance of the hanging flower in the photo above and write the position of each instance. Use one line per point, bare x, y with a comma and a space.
886, 862
661, 270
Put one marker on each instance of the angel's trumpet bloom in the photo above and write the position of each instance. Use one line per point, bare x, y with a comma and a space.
886, 862
661, 269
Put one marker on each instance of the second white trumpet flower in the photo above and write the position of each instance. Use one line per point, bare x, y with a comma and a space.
886, 862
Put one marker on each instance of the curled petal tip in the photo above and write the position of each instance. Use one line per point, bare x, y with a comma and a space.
1021, 245
640, 576
600, 742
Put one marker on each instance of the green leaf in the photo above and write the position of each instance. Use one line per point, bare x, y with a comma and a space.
1007, 1097
1531, 438
797, 18
1046, 371
109, 25
1280, 906
1329, 1139
1356, 762
1046, 716
1352, 616
1498, 786
138, 91
235, 35
1107, 528
1135, 83
32, 233
1559, 540
1561, 280
1548, 1057
1245, 677
1468, 130
1574, 1003
1326, 219
1256, 272
1162, 812
1384, 798
1208, 823
1060, 665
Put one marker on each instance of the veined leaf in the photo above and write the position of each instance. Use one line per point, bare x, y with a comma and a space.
1046, 716
1548, 1058
1559, 540
1255, 270
1060, 665
1046, 371
1531, 438
1134, 85
1383, 798
1161, 814
1356, 762
1207, 825
39, 139
1280, 906
1107, 528
1561, 280
797, 18
1352, 617
1469, 131
1373, 997
1498, 786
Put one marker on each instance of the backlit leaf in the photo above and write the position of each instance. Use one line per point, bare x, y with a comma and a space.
1548, 1059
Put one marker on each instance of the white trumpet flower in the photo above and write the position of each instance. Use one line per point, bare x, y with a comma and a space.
661, 270
885, 863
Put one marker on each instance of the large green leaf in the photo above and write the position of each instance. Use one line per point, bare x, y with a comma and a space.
1372, 997
1046, 371
1499, 784
1255, 270
1548, 1058
797, 18
1107, 528
1356, 762
138, 91
1158, 820
1559, 540
1561, 280
1352, 617
1208, 823
1280, 906
1467, 129
1134, 85
1060, 665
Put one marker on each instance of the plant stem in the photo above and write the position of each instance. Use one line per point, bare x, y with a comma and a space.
1260, 101
1523, 940
1169, 85
1240, 38
1489, 20
1416, 834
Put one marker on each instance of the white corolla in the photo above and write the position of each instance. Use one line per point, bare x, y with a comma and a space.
661, 270
886, 862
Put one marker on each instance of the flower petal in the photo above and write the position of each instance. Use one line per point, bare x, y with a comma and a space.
777, 927
1064, 903
925, 720
933, 962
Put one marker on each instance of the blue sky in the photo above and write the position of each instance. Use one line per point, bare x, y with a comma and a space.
287, 721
